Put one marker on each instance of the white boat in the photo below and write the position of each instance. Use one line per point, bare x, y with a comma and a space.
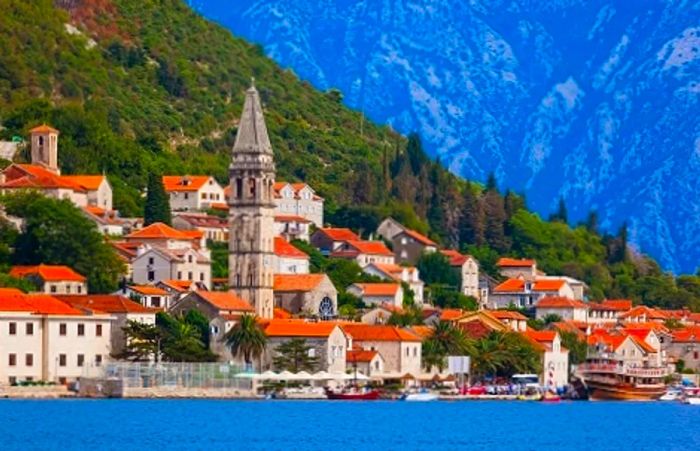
422, 396
672, 394
692, 396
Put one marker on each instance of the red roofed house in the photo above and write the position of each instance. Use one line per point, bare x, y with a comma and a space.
685, 346
223, 309
643, 314
192, 192
306, 294
468, 269
524, 293
515, 320
555, 358
364, 252
328, 239
45, 339
513, 268
398, 273
43, 174
380, 314
479, 324
120, 308
409, 245
292, 227
288, 259
328, 341
565, 308
213, 228
147, 295
298, 199
400, 348
368, 362
52, 279
608, 311
627, 347
378, 293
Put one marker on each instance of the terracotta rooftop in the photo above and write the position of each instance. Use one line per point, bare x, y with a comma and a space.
451, 314
159, 230
291, 218
88, 182
339, 234
560, 302
108, 303
506, 262
12, 300
53, 273
455, 258
148, 290
365, 332
43, 128
369, 247
298, 328
225, 300
424, 240
284, 248
184, 182
297, 282
508, 314
360, 355
378, 289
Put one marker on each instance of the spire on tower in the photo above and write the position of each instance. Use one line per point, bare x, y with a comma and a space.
252, 134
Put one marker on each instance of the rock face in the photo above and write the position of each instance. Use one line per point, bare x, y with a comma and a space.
592, 100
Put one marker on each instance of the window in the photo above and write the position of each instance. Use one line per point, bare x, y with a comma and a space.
415, 351
80, 289
98, 360
81, 359
62, 360
29, 359
53, 288
376, 365
189, 259
29, 328
155, 301
189, 275
81, 330
98, 330
251, 187
12, 380
408, 352
312, 352
204, 195
187, 196
151, 260
239, 188
13, 328
12, 359
62, 329
151, 276
201, 277
67, 289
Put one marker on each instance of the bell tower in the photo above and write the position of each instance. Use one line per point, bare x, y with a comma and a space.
251, 209
45, 147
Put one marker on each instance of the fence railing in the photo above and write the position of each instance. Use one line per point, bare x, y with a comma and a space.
174, 375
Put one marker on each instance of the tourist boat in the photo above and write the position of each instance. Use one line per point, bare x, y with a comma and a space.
672, 394
691, 396
420, 396
608, 377
353, 395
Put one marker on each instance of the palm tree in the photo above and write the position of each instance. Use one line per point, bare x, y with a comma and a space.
504, 353
432, 356
246, 339
446, 339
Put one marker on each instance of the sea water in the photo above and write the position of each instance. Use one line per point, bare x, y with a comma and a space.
334, 425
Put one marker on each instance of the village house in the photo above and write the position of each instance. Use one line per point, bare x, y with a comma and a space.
516, 321
306, 294
107, 222
176, 289
608, 311
643, 314
292, 227
45, 339
398, 273
380, 314
43, 174
298, 199
364, 252
288, 259
213, 228
513, 268
628, 348
147, 295
555, 358
121, 309
378, 293
400, 349
477, 324
369, 363
52, 279
525, 293
565, 308
685, 346
389, 228
328, 342
468, 269
409, 245
329, 239
192, 192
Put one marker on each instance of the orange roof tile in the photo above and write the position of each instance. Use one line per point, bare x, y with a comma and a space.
47, 273
643, 310
159, 230
12, 300
378, 289
559, 302
280, 313
424, 240
507, 314
423, 331
370, 247
88, 182
108, 303
546, 336
360, 355
365, 332
618, 304
148, 290
297, 328
687, 335
178, 285
451, 314
548, 284
43, 128
36, 176
225, 300
510, 285
184, 182
297, 282
506, 262
456, 259
291, 218
339, 234
283, 248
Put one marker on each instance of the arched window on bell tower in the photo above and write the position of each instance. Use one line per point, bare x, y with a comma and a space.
239, 188
251, 188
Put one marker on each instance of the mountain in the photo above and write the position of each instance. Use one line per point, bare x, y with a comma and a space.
594, 101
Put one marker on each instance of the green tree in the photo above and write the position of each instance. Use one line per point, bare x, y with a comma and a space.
56, 232
182, 341
472, 220
435, 268
494, 221
142, 342
157, 208
295, 355
561, 214
246, 339
504, 354
7, 281
578, 348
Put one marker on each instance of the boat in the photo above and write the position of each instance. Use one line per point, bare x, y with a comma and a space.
353, 395
550, 397
691, 396
420, 396
672, 394
608, 377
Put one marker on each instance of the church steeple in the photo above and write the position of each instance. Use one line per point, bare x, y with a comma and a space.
251, 209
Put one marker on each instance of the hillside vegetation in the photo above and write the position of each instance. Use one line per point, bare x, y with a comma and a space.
141, 87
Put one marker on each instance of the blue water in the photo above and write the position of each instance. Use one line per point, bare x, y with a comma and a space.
285, 425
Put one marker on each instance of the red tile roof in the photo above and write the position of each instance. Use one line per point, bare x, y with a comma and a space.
108, 303
560, 302
456, 259
177, 285
184, 182
87, 182
687, 335
52, 273
297, 282
510, 285
339, 234
159, 230
370, 247
643, 310
378, 289
618, 304
451, 314
298, 328
548, 284
507, 314
225, 300
280, 313
365, 332
12, 300
546, 336
424, 240
506, 262
148, 290
291, 218
43, 128
360, 355
35, 176
283, 248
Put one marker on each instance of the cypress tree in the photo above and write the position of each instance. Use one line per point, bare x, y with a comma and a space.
471, 223
492, 183
157, 208
495, 221
592, 222
562, 215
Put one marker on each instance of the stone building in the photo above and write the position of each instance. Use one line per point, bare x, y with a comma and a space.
306, 294
252, 210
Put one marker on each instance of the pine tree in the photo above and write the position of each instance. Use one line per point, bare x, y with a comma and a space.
471, 224
592, 222
495, 221
562, 215
492, 183
416, 155
157, 208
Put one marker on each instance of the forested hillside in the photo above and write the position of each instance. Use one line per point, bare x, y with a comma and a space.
139, 87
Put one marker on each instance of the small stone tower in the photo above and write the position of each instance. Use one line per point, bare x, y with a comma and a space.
251, 209
45, 147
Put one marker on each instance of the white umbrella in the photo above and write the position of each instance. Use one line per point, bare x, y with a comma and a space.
303, 376
247, 376
269, 375
323, 376
286, 376
360, 377
341, 376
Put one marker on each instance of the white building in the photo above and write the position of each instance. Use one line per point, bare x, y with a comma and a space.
292, 227
524, 293
298, 199
406, 274
192, 192
555, 358
364, 252
213, 228
288, 259
327, 340
566, 308
147, 295
468, 269
378, 293
44, 339
52, 279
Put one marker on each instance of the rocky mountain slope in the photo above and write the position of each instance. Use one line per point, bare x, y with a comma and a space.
595, 101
